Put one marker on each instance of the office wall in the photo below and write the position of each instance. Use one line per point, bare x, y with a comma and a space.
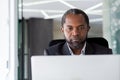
39, 34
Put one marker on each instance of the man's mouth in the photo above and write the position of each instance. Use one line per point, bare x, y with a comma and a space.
75, 40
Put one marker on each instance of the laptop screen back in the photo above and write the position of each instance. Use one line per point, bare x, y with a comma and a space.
106, 67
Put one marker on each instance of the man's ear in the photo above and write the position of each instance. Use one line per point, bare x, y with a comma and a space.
62, 30
88, 28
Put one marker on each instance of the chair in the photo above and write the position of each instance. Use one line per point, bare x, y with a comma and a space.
98, 40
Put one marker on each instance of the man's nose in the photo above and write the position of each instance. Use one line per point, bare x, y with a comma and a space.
75, 32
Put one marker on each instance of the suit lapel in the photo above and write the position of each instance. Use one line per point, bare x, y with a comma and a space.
65, 50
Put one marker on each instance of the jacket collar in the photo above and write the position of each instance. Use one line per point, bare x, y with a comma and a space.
65, 49
88, 50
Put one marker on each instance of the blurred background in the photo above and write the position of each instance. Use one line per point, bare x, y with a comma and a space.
40, 22
29, 25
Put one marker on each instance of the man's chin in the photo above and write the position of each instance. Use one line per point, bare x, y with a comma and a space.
75, 45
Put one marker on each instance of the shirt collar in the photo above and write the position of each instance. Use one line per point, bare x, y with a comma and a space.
82, 51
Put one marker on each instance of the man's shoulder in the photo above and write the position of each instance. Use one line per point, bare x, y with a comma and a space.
55, 49
98, 46
100, 49
57, 46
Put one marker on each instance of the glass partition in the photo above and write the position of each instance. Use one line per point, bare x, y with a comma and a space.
104, 21
115, 25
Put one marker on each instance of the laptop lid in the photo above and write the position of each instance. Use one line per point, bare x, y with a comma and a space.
102, 67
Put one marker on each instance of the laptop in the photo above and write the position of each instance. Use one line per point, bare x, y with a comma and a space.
95, 67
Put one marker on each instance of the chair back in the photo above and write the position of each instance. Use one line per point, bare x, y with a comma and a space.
98, 40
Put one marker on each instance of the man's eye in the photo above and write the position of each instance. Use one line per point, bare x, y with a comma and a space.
81, 27
70, 28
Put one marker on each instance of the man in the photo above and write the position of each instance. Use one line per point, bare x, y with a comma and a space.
75, 27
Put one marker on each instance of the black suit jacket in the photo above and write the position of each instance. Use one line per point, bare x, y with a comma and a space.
91, 49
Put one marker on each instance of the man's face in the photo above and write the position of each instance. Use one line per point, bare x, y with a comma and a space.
75, 30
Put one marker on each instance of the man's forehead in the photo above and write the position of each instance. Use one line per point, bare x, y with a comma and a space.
71, 14
72, 18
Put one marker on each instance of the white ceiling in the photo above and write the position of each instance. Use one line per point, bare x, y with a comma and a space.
55, 8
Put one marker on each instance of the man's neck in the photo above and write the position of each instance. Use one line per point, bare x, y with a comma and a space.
76, 51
